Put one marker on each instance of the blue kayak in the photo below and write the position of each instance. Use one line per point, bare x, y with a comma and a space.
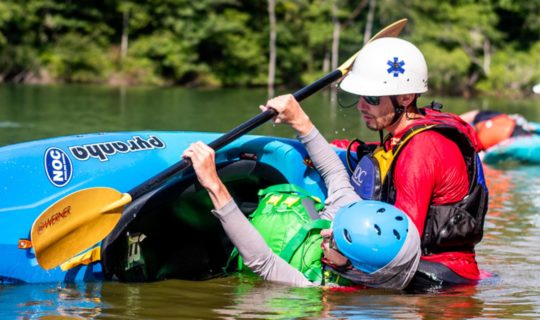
167, 233
517, 150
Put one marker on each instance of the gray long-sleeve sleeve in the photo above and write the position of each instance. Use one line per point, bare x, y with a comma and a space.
254, 250
260, 258
332, 170
250, 244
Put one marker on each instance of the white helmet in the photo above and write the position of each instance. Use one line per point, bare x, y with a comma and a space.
385, 67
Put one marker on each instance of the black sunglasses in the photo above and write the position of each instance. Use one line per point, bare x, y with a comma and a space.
372, 100
347, 100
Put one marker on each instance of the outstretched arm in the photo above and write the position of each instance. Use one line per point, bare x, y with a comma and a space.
327, 163
250, 244
290, 112
204, 163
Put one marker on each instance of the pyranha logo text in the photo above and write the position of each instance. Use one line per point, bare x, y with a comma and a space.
103, 150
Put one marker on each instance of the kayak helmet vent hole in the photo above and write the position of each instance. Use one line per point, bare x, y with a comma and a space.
399, 218
381, 210
397, 235
378, 229
347, 235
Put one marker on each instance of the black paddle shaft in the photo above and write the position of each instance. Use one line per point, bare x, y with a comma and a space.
232, 135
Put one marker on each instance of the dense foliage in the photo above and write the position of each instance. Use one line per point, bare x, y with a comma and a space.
472, 46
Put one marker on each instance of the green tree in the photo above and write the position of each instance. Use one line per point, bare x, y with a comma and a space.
472, 46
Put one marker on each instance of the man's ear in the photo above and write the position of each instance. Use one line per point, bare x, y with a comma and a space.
406, 100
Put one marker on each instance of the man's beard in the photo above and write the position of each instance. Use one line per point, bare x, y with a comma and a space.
378, 124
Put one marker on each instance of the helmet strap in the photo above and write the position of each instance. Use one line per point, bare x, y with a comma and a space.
399, 110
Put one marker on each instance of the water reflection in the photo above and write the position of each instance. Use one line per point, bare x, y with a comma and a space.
510, 248
36, 301
231, 298
460, 303
514, 202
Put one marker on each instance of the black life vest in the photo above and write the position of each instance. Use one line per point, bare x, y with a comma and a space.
449, 227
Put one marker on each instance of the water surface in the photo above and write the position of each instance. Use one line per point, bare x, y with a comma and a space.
509, 250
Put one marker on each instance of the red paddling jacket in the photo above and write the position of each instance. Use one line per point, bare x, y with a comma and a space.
449, 227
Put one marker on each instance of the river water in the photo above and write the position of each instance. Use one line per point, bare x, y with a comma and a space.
510, 250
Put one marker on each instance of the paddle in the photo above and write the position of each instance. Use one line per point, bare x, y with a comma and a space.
83, 218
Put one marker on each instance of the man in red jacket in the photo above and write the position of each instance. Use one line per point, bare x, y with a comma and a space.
426, 165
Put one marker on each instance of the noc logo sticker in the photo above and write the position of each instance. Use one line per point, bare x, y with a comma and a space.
57, 166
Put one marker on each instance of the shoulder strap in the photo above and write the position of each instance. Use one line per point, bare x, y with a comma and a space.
312, 207
301, 235
277, 195
291, 247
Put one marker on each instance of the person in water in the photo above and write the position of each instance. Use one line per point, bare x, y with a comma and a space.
348, 246
426, 165
493, 127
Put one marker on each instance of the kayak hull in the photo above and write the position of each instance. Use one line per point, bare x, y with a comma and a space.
37, 174
518, 150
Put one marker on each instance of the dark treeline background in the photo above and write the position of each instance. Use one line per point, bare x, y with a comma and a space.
472, 47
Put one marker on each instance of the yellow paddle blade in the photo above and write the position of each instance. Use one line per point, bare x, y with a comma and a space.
392, 30
75, 223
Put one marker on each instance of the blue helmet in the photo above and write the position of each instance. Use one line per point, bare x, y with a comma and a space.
370, 233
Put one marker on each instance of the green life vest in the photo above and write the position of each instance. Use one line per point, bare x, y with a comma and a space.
287, 218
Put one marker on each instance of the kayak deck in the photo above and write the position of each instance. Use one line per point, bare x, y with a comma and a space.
172, 226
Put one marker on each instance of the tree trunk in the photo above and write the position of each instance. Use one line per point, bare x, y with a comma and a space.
336, 34
125, 35
469, 87
369, 24
326, 63
335, 37
338, 27
272, 48
487, 57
